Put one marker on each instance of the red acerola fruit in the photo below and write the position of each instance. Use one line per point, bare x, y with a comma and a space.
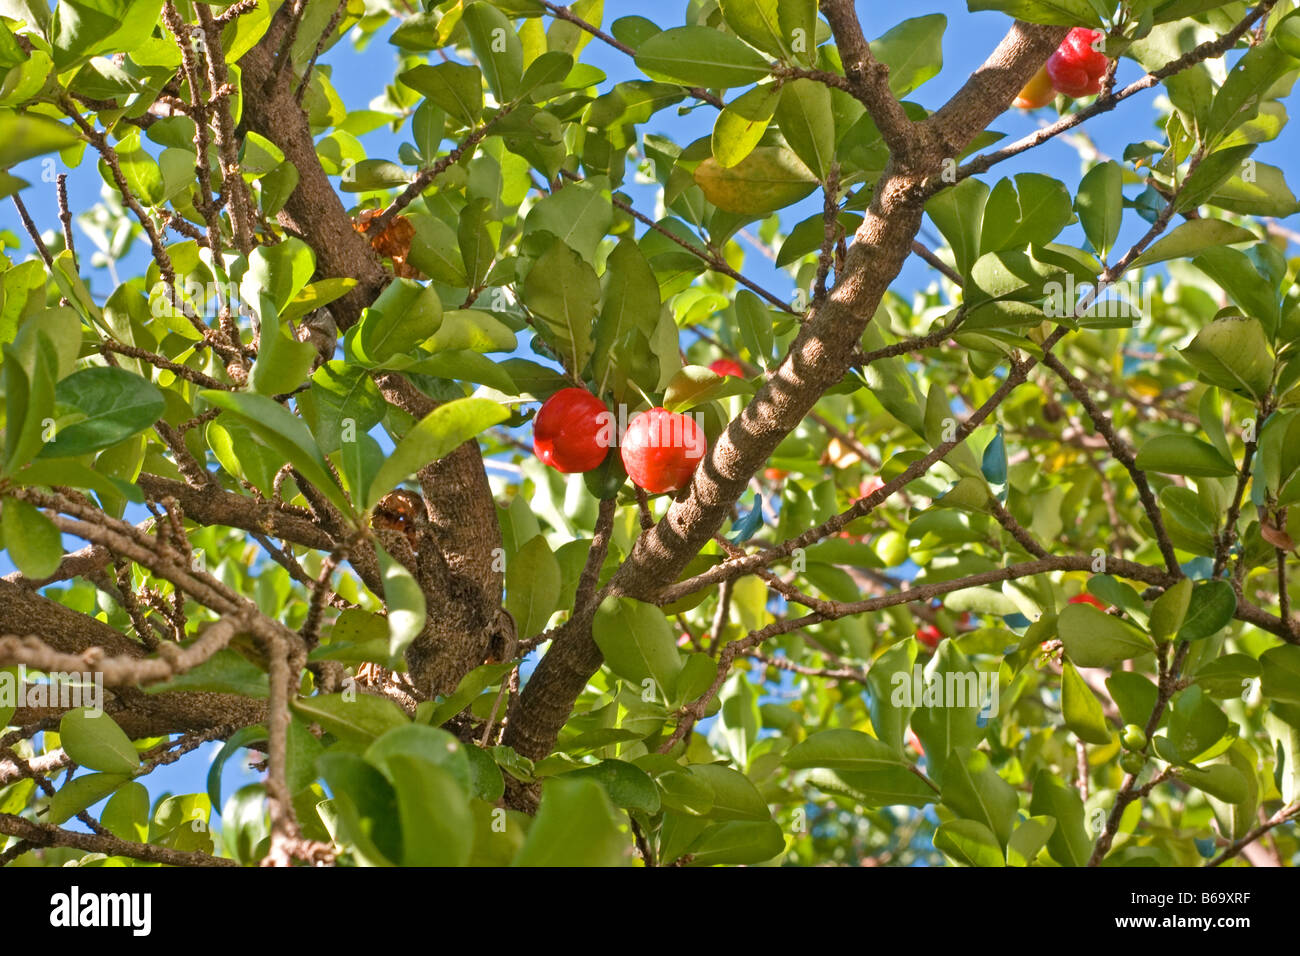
725, 366
775, 474
1076, 68
870, 486
1087, 598
570, 432
929, 635
660, 449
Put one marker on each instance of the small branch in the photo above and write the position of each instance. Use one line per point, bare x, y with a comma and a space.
65, 215
32, 231
45, 834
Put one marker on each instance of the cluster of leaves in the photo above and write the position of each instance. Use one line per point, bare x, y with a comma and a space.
515, 185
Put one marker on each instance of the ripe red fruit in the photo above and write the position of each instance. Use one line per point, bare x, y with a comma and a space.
660, 449
775, 474
727, 367
929, 635
1076, 68
1086, 598
870, 486
570, 432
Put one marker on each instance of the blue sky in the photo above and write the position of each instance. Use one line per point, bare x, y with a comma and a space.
360, 77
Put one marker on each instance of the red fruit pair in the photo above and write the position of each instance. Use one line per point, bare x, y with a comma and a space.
1077, 66
725, 366
660, 450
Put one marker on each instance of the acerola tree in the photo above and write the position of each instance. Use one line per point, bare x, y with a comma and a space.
995, 572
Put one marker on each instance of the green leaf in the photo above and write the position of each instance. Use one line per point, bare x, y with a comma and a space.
876, 788
286, 434
1195, 723
532, 586
365, 805
945, 730
405, 601
1096, 639
436, 435
373, 174
768, 179
341, 392
629, 312
32, 540
1033, 212
694, 385
1192, 237
352, 716
1081, 708
278, 272
453, 87
579, 215
1069, 844
1062, 13
700, 56
637, 643
628, 786
282, 361
842, 750
741, 124
93, 739
107, 405
738, 843
575, 826
1028, 840
1170, 610
225, 672
1100, 204
1233, 353
1183, 455
1219, 780
405, 315
25, 135
759, 23
437, 826
913, 51
808, 123
470, 686
968, 843
82, 792
563, 290
1280, 670
80, 29
1209, 610
958, 213
497, 48
974, 790
734, 795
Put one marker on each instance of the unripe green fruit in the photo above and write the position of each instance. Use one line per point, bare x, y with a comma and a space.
891, 548
1132, 763
1134, 737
